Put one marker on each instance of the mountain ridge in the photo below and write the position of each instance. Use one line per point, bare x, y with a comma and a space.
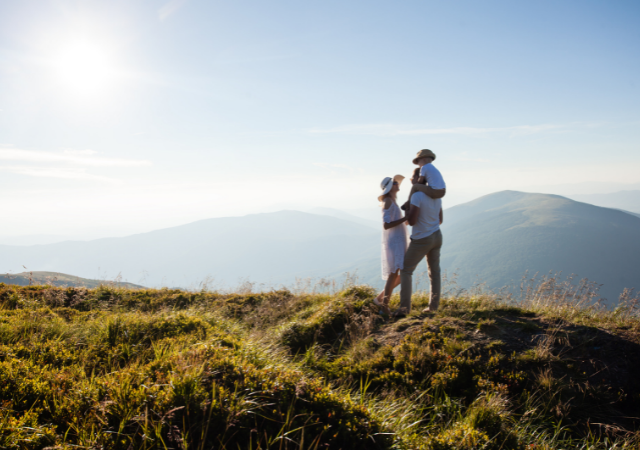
494, 239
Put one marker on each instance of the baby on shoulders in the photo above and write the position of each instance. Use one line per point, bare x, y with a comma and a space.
436, 188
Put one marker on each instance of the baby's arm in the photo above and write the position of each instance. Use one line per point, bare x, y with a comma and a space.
431, 192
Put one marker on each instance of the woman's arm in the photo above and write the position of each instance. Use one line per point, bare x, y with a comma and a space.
395, 223
387, 225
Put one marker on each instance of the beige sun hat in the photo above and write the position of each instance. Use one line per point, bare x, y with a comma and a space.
424, 154
387, 184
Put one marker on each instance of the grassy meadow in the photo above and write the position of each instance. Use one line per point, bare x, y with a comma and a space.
114, 368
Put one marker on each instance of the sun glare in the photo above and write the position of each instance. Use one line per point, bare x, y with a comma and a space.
84, 68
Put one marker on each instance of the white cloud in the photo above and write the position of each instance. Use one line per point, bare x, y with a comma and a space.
79, 158
170, 8
400, 130
57, 172
80, 152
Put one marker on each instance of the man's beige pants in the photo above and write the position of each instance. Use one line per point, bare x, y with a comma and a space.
428, 247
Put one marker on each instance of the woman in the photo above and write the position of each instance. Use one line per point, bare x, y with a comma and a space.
394, 240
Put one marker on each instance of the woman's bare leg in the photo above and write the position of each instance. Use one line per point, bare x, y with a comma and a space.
392, 282
380, 297
383, 297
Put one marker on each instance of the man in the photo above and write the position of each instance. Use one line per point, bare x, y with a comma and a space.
425, 216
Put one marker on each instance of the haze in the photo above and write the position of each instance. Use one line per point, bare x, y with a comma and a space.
121, 117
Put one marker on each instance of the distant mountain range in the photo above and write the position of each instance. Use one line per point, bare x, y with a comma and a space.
272, 248
33, 239
493, 239
346, 216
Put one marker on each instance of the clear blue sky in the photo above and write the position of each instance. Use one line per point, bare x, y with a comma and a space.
125, 116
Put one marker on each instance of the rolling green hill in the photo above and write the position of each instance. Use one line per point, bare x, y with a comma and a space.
58, 279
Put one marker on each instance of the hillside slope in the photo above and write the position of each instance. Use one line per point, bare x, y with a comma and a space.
122, 369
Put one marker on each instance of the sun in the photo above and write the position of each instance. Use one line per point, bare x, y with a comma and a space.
84, 67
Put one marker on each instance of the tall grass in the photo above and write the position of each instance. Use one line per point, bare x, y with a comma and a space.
313, 368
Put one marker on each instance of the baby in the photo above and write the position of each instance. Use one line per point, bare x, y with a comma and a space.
436, 187
428, 173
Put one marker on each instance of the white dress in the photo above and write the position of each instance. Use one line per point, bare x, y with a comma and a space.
394, 241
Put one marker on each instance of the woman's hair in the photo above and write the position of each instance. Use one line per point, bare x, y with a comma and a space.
383, 197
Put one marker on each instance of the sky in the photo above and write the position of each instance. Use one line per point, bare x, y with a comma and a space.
120, 117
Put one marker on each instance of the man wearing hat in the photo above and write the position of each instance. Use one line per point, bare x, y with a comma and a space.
425, 216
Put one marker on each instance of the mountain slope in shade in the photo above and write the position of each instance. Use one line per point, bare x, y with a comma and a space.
498, 237
266, 248
625, 200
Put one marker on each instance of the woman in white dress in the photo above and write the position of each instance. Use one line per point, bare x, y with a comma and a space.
395, 239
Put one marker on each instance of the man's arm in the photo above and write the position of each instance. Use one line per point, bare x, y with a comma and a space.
441, 216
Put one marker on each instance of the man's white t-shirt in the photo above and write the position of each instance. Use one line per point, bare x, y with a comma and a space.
429, 218
433, 176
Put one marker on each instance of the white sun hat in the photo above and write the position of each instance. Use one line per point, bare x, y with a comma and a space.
387, 184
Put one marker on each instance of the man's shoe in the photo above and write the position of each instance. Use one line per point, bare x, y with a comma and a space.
399, 313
